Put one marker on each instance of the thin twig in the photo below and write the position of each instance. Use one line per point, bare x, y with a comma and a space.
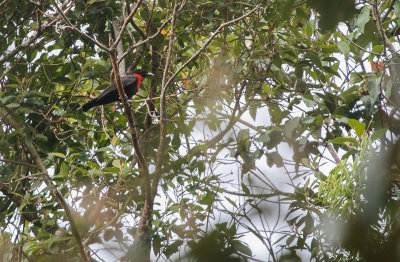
104, 122
75, 29
333, 153
17, 162
120, 48
358, 46
388, 10
137, 28
163, 124
121, 33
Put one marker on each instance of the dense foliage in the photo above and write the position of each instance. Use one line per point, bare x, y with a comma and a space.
268, 133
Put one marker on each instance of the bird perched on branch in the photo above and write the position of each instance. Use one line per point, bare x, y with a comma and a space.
131, 84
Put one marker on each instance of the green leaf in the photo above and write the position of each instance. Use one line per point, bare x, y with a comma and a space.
332, 69
274, 158
264, 137
36, 184
28, 139
115, 141
241, 247
245, 189
41, 137
57, 154
377, 48
231, 202
116, 163
94, 1
342, 140
396, 9
314, 58
378, 133
13, 105
253, 112
290, 239
103, 149
373, 88
363, 18
309, 29
173, 248
64, 170
207, 199
58, 178
292, 126
357, 126
108, 234
275, 138
320, 176
344, 48
156, 245
266, 88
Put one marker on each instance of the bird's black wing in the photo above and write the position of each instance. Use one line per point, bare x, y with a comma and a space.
130, 84
110, 94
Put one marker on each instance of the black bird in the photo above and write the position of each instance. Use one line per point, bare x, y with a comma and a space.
131, 84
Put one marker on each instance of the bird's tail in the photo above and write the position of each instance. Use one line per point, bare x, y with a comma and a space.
89, 105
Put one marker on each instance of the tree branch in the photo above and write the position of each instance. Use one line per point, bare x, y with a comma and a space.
121, 33
129, 114
147, 210
28, 42
14, 162
209, 41
137, 28
388, 10
378, 22
163, 115
130, 48
120, 49
75, 29
333, 153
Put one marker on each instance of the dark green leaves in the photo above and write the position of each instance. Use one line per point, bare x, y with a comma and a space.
332, 12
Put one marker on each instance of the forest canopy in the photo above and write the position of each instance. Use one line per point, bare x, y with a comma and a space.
269, 131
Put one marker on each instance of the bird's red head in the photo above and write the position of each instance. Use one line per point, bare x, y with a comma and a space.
141, 74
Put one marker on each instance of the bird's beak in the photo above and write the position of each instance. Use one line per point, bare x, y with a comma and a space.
149, 74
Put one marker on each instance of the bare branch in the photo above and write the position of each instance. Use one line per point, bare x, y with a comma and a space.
14, 162
120, 49
34, 3
121, 33
163, 125
3, 3
130, 116
333, 153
